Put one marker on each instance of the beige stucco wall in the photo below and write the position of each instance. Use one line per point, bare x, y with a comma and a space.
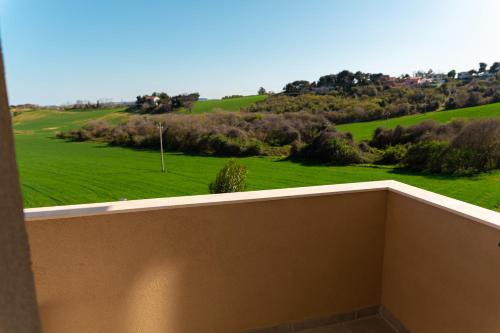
441, 271
18, 312
219, 268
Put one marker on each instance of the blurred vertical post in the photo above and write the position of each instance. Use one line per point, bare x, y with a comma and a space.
18, 305
160, 128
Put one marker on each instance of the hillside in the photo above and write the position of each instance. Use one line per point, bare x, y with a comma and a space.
364, 130
231, 104
51, 121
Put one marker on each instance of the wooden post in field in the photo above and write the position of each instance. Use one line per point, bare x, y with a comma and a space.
160, 127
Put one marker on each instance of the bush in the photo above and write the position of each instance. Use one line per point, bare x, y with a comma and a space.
455, 148
477, 147
222, 145
426, 156
383, 137
332, 148
231, 178
393, 155
426, 130
93, 130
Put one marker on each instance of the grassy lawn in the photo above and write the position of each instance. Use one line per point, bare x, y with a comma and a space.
362, 131
55, 172
231, 104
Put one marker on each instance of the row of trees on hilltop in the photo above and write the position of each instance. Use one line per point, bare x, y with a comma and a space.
483, 68
345, 81
340, 83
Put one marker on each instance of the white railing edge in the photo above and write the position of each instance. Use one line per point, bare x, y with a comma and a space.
470, 211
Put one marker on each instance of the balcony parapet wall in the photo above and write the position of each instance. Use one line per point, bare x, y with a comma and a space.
232, 262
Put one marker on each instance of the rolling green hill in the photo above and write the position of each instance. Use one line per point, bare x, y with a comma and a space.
50, 121
363, 131
231, 104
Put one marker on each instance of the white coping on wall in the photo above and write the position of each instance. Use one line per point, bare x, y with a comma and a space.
479, 214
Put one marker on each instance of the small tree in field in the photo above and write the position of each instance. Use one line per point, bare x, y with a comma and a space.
231, 178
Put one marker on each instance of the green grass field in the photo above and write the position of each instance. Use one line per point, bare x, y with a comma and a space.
362, 131
231, 104
55, 172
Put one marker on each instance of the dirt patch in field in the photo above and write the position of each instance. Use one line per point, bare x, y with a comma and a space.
21, 132
28, 116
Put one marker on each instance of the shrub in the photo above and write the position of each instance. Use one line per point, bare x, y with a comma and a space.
426, 156
93, 130
477, 146
383, 137
457, 148
231, 178
426, 130
296, 148
222, 145
393, 155
332, 148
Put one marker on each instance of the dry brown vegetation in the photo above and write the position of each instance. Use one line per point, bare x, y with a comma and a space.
458, 147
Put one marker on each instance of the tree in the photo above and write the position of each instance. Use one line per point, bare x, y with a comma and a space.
327, 81
262, 91
495, 68
361, 79
231, 178
451, 74
423, 74
375, 78
139, 100
482, 67
297, 87
345, 81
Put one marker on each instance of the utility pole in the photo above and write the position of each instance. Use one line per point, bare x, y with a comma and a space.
160, 128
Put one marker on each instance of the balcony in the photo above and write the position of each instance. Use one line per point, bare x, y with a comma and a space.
365, 257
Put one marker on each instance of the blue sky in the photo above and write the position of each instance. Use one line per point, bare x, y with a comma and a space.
57, 51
